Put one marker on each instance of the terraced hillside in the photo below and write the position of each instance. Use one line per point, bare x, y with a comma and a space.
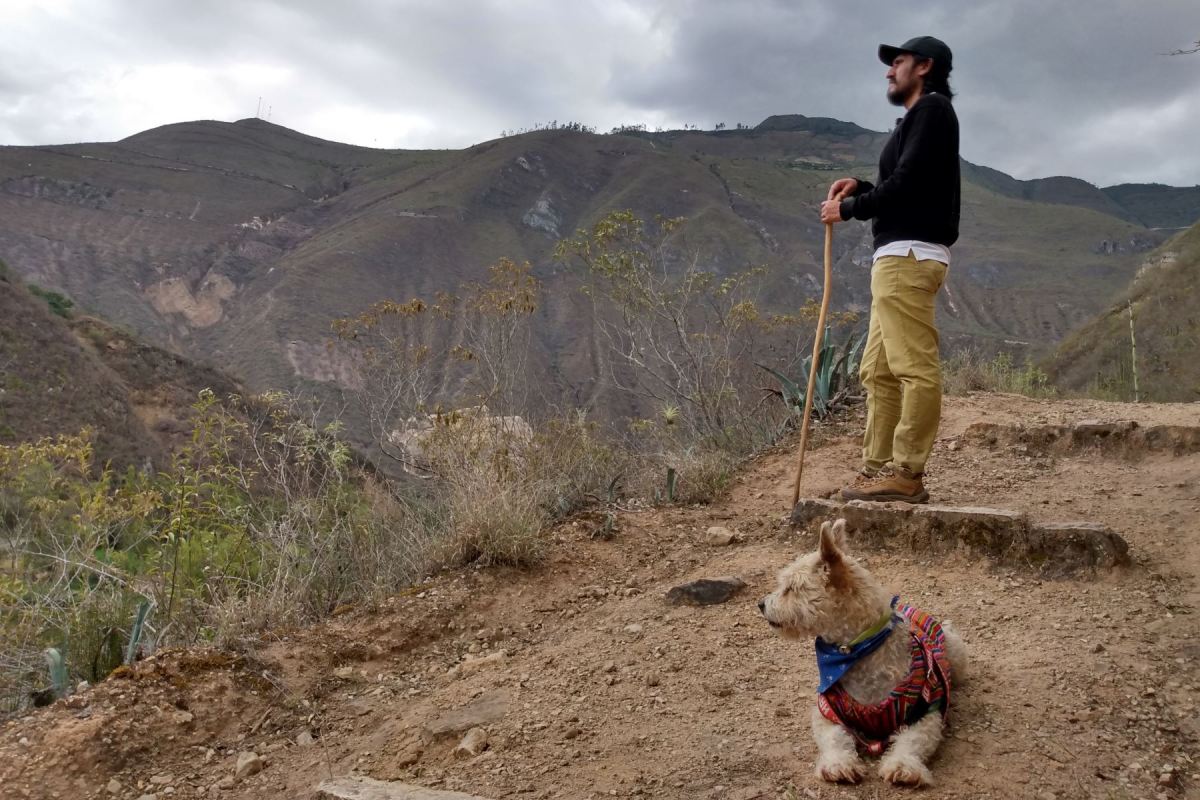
1162, 304
60, 375
238, 243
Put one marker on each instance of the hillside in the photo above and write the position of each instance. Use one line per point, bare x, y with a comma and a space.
1165, 298
58, 376
237, 244
589, 684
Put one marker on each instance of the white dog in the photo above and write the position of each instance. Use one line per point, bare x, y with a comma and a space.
885, 666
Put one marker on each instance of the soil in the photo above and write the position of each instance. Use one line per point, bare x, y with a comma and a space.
1079, 688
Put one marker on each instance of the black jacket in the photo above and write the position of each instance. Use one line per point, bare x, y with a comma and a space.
918, 194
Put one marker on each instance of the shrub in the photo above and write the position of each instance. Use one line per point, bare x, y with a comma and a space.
967, 371
259, 521
59, 304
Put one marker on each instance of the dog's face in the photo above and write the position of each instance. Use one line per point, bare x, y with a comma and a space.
826, 593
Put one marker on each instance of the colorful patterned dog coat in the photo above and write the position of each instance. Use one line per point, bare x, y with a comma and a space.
926, 688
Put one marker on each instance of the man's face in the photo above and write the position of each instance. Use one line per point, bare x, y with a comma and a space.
905, 78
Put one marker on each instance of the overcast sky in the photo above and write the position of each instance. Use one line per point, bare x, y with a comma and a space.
1046, 87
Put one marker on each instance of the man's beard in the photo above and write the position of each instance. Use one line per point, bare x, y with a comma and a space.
896, 96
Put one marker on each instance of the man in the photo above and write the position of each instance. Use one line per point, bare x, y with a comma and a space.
915, 208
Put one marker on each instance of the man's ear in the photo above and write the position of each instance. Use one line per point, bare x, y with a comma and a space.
923, 67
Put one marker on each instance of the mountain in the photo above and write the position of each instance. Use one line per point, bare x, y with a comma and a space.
238, 243
1164, 301
60, 375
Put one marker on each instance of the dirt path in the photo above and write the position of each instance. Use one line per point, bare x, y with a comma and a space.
1079, 688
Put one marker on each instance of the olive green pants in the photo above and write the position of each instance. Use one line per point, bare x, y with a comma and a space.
900, 369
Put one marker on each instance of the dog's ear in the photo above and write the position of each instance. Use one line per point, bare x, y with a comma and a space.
838, 533
831, 553
831, 550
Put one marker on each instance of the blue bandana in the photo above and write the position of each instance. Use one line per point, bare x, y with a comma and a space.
834, 661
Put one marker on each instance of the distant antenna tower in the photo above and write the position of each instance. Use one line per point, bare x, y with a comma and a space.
258, 111
269, 113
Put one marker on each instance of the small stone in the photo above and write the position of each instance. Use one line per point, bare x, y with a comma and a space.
609, 666
305, 739
705, 592
1166, 779
226, 783
473, 665
652, 679
151, 796
345, 673
113, 787
1098, 648
248, 763
633, 629
161, 780
483, 710
718, 536
474, 743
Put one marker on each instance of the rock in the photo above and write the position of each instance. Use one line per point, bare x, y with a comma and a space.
472, 665
345, 673
1005, 537
633, 629
705, 592
161, 780
151, 796
113, 787
1098, 648
359, 788
484, 710
226, 783
474, 743
652, 680
718, 536
305, 739
248, 763
409, 750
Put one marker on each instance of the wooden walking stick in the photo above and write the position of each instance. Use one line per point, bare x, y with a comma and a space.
812, 371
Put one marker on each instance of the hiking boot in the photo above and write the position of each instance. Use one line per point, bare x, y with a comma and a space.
898, 485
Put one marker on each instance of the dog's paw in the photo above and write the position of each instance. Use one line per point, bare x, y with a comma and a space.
901, 771
840, 770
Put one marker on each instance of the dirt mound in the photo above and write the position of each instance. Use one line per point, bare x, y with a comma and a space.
1122, 438
588, 683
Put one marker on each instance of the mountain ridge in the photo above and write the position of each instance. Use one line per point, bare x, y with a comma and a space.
239, 243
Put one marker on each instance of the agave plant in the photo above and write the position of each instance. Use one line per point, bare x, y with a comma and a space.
56, 664
837, 368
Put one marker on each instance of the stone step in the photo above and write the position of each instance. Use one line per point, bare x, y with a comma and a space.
360, 788
1124, 438
1008, 538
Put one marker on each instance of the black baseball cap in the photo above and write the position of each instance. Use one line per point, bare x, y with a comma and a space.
924, 46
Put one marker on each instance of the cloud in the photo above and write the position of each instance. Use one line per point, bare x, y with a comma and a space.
1075, 87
